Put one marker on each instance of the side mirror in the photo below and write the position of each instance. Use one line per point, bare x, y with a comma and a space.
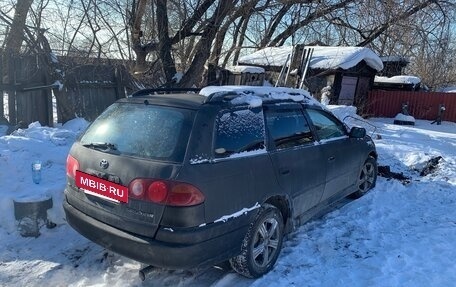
357, 132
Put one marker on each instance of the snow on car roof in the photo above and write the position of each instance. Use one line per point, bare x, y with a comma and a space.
254, 95
398, 80
323, 57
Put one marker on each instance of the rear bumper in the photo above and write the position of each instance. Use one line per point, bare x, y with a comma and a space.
182, 248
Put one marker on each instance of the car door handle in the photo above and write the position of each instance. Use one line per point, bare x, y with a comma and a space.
284, 171
331, 158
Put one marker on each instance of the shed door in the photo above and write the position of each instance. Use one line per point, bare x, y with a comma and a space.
347, 90
361, 93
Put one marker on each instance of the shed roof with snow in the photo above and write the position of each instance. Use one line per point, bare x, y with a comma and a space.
403, 79
245, 69
323, 57
402, 82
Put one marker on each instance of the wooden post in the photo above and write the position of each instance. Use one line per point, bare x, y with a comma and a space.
11, 91
295, 65
47, 93
2, 114
120, 92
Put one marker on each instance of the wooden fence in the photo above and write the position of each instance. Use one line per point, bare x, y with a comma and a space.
88, 90
85, 90
25, 80
421, 105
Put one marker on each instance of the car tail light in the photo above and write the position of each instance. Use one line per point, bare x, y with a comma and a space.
183, 194
157, 192
72, 166
137, 188
165, 192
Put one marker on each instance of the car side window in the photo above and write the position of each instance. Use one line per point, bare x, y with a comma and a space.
326, 126
239, 131
288, 128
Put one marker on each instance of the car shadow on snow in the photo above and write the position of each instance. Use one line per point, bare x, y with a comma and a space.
222, 275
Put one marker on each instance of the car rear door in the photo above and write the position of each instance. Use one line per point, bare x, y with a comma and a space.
130, 141
296, 158
341, 154
239, 173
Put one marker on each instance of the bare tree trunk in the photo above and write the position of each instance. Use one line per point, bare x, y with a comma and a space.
218, 44
164, 42
242, 22
240, 41
15, 36
141, 51
193, 76
13, 45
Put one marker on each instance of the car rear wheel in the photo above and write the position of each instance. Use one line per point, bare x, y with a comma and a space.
367, 178
261, 245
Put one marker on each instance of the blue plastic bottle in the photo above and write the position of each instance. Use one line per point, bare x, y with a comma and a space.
36, 171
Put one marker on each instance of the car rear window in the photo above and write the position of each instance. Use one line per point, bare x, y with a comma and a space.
141, 130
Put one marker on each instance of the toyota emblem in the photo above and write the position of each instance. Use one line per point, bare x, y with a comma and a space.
104, 164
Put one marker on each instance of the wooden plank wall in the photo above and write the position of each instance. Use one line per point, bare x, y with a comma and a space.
88, 90
26, 105
35, 105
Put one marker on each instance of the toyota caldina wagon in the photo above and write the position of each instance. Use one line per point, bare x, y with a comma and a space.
186, 180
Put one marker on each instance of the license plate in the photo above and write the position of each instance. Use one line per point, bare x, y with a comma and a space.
102, 187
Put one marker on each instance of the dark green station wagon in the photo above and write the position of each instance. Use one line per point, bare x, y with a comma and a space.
186, 180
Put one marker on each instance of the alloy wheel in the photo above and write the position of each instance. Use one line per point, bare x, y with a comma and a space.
266, 242
367, 177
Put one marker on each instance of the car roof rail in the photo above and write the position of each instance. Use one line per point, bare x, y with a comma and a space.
145, 92
221, 96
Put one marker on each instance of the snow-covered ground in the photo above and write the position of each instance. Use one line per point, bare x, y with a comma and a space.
397, 235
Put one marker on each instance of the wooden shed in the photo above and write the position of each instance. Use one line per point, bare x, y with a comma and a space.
235, 75
245, 75
393, 66
339, 75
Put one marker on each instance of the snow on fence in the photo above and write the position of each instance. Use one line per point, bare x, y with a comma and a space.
421, 105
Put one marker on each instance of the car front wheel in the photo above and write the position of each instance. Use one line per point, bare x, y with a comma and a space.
367, 178
261, 245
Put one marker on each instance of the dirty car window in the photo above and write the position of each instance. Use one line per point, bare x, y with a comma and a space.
144, 131
239, 131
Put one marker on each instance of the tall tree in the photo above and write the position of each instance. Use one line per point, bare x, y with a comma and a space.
15, 36
166, 36
202, 21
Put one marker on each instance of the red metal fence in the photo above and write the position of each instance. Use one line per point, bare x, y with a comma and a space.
421, 105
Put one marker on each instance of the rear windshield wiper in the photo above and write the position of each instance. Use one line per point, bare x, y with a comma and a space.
101, 146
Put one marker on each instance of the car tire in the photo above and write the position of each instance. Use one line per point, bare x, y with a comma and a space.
261, 245
367, 178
